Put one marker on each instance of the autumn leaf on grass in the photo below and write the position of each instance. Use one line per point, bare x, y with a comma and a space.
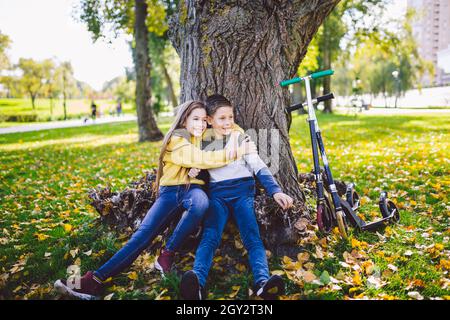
133, 275
444, 264
435, 250
240, 267
235, 291
108, 297
308, 276
277, 272
357, 278
415, 295
74, 252
303, 257
41, 236
67, 227
359, 244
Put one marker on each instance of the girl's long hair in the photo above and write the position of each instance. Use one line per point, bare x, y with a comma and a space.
183, 111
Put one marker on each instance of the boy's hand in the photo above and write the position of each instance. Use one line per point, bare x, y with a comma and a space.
193, 172
283, 200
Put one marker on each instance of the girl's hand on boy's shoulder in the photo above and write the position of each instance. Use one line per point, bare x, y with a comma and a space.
232, 146
193, 172
283, 200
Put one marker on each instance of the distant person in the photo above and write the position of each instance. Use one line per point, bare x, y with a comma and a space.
119, 108
93, 110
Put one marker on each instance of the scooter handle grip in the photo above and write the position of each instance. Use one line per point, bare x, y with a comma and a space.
294, 107
325, 97
321, 74
285, 83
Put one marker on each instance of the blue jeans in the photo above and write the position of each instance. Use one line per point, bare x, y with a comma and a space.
171, 202
236, 197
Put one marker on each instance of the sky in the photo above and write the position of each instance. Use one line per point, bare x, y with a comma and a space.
42, 29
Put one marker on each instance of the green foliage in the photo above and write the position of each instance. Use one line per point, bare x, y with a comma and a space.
378, 56
34, 75
5, 43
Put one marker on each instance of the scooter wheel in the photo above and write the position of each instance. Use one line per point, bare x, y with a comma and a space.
342, 225
324, 218
353, 199
391, 207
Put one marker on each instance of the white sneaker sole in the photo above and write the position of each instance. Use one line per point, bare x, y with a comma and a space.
159, 268
65, 290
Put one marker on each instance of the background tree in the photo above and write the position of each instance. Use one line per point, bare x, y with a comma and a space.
378, 56
348, 24
105, 16
34, 75
5, 43
66, 81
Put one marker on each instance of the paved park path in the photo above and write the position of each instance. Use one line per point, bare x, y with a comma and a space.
66, 124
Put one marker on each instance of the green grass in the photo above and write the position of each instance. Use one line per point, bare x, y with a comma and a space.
47, 224
76, 108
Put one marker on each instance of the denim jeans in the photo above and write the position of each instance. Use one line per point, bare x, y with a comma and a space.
171, 202
236, 197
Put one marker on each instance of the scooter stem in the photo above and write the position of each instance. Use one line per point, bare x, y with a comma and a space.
311, 112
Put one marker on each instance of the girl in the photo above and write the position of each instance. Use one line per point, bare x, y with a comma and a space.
178, 192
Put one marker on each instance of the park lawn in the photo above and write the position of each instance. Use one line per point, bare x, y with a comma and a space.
76, 108
47, 224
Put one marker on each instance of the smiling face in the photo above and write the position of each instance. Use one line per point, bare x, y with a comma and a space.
195, 123
222, 121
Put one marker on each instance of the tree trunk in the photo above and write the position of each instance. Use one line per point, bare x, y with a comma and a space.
148, 130
173, 97
243, 49
33, 98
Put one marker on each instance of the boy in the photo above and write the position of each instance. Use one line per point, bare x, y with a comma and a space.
232, 191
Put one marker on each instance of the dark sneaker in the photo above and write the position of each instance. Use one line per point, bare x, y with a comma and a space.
164, 261
190, 288
270, 289
90, 287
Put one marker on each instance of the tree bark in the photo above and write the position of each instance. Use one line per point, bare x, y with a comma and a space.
148, 130
242, 50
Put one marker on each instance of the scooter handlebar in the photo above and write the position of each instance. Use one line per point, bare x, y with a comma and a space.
315, 75
297, 106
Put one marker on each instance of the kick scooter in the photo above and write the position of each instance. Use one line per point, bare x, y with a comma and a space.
335, 211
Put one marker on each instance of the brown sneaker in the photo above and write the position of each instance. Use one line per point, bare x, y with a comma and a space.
89, 287
164, 261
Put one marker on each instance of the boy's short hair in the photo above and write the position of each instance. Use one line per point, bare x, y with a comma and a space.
216, 101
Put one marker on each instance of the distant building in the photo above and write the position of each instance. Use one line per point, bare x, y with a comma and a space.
444, 59
431, 29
